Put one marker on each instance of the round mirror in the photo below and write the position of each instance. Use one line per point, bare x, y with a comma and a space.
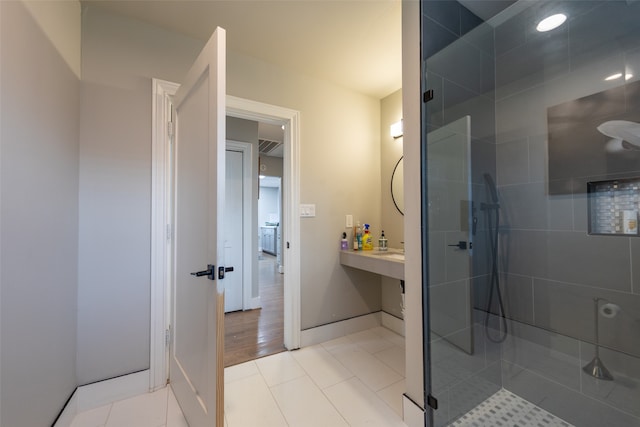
397, 186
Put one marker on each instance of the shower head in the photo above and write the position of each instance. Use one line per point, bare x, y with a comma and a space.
493, 192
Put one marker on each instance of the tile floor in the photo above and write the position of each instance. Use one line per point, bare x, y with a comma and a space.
351, 381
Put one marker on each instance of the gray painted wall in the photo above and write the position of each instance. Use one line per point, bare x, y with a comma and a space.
39, 218
272, 166
119, 57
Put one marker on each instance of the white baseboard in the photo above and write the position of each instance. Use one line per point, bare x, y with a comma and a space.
413, 414
339, 329
254, 303
393, 323
69, 412
101, 393
98, 394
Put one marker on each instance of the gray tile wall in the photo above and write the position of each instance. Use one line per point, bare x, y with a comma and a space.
551, 269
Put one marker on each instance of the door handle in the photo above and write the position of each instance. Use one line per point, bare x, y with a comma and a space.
208, 272
222, 270
461, 245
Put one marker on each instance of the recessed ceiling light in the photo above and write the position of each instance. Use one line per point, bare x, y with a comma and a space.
551, 22
613, 76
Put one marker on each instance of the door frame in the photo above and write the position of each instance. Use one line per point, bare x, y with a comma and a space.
260, 112
248, 227
162, 228
161, 231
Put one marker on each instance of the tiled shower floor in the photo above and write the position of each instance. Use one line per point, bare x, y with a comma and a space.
506, 409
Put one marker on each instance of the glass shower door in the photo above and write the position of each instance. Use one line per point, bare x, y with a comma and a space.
539, 322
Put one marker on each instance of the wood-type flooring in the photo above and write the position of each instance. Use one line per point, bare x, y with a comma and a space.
257, 333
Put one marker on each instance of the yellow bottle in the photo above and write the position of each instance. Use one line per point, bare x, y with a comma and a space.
367, 240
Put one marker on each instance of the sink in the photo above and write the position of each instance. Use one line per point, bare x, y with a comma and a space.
392, 255
390, 264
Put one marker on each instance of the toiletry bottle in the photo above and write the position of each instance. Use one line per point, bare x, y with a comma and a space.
367, 241
382, 242
359, 236
344, 243
355, 238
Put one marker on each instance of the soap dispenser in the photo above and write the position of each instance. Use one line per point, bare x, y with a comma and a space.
344, 243
367, 241
382, 242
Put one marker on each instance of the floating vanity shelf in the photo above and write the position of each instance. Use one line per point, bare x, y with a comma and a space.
386, 263
614, 207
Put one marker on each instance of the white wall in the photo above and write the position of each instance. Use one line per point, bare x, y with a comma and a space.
340, 158
268, 204
413, 265
39, 211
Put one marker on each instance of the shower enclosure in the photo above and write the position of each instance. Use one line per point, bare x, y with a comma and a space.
531, 157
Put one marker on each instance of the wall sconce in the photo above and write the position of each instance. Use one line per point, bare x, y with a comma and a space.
396, 129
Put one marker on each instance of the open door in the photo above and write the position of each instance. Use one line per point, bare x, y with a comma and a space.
196, 356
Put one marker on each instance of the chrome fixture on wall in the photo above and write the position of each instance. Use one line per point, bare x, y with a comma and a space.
596, 368
494, 283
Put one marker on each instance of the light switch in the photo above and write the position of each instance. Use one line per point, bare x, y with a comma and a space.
308, 210
349, 221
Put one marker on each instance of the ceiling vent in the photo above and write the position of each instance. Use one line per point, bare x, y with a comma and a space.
266, 146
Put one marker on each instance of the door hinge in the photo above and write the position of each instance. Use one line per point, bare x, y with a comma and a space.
168, 232
167, 337
170, 128
432, 402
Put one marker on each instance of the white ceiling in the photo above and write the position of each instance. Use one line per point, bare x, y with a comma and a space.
353, 43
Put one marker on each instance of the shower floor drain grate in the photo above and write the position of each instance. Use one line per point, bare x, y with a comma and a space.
506, 409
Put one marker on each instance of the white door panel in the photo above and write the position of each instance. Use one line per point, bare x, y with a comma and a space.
234, 234
196, 371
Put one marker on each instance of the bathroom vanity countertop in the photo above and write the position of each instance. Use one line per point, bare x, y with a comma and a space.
386, 263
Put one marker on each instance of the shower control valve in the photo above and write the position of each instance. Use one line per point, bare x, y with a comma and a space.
462, 245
